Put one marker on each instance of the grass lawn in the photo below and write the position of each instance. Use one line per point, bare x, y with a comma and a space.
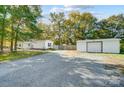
112, 55
19, 54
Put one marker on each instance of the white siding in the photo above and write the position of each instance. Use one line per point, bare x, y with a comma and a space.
81, 46
38, 44
108, 45
19, 45
46, 44
112, 46
27, 45
94, 47
24, 45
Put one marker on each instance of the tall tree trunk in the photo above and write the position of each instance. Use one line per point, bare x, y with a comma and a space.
12, 38
16, 35
59, 34
16, 38
1, 43
3, 32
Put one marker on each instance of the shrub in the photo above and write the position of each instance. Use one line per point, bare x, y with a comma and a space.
122, 46
51, 49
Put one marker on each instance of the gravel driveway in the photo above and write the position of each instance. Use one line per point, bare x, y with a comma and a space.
55, 69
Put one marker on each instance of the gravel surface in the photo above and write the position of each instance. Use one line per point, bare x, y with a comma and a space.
55, 69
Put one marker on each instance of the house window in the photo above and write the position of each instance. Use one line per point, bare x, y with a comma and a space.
49, 44
19, 45
28, 44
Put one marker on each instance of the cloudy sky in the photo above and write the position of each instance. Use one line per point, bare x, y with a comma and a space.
98, 11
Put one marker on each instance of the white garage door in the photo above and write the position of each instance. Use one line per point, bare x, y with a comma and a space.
94, 47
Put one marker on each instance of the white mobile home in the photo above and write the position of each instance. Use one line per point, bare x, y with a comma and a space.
36, 44
42, 44
99, 45
24, 45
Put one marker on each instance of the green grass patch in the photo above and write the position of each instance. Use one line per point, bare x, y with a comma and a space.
114, 55
19, 55
110, 55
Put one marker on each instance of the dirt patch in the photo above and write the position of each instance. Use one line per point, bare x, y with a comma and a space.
113, 60
107, 59
71, 53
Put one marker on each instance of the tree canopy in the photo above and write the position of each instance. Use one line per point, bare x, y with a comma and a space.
21, 23
17, 22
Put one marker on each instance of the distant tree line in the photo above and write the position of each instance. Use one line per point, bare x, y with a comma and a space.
79, 26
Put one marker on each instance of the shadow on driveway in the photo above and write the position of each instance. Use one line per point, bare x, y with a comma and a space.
54, 70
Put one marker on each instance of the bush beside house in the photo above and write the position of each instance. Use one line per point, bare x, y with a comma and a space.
122, 46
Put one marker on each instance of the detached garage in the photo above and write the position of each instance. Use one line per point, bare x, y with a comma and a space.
99, 45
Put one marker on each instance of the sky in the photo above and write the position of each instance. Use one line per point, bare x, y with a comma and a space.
99, 11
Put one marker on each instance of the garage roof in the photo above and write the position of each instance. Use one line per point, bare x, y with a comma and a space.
110, 39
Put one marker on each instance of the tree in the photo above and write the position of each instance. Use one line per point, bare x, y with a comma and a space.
116, 24
24, 17
47, 32
83, 23
68, 35
57, 21
113, 26
3, 17
18, 22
